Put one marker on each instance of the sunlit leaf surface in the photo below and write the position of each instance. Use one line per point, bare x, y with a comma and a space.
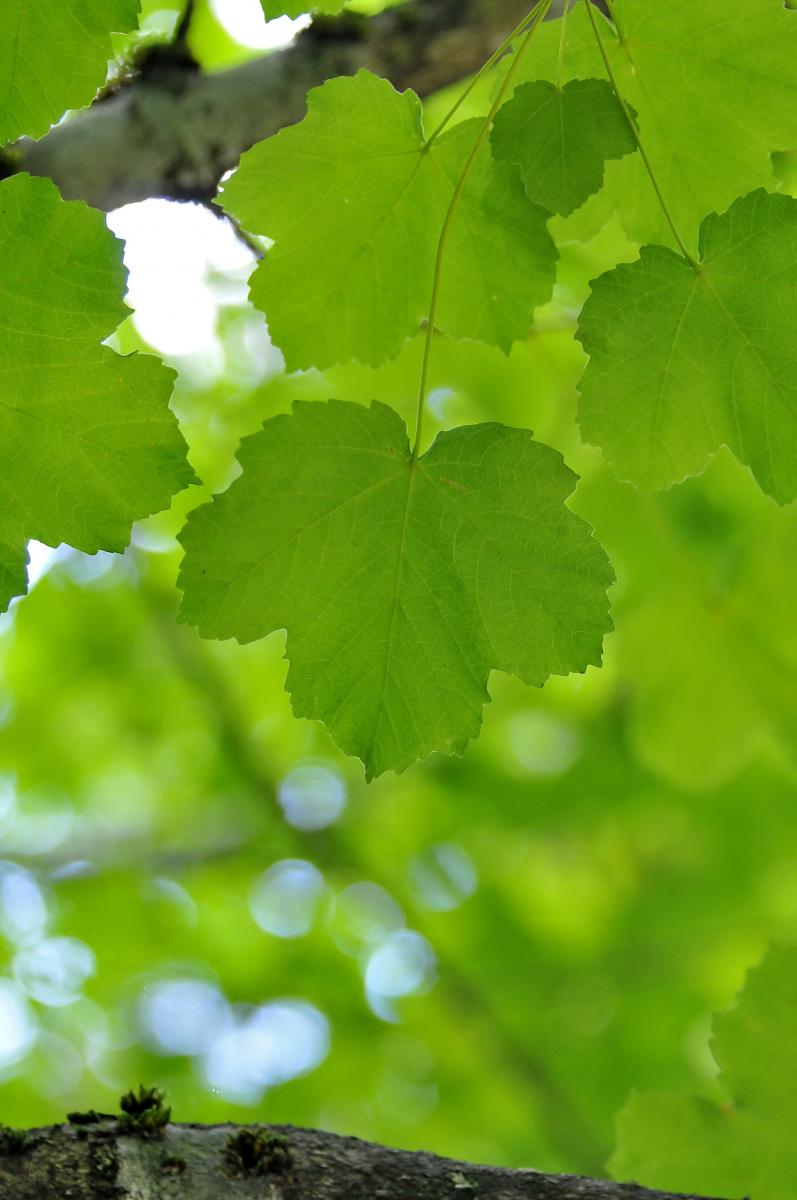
401, 583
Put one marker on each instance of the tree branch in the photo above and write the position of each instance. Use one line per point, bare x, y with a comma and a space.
200, 1162
174, 131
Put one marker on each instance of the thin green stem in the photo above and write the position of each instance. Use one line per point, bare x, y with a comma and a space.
539, 12
519, 29
635, 134
561, 45
610, 10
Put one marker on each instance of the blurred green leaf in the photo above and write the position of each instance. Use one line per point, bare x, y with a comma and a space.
707, 572
295, 8
746, 1144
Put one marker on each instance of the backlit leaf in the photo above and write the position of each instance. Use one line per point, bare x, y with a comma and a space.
53, 56
561, 138
89, 443
401, 584
715, 92
355, 203
684, 360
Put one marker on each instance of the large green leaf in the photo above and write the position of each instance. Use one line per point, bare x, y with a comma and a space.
88, 442
53, 56
715, 91
747, 1145
401, 584
684, 359
355, 203
560, 139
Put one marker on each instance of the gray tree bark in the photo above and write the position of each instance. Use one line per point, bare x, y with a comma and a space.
175, 130
194, 1162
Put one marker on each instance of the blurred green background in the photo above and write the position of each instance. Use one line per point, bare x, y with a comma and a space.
480, 957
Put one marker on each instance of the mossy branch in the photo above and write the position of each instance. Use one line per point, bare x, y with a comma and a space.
174, 132
96, 1161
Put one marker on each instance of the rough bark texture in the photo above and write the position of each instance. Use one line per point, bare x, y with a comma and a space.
175, 130
64, 1162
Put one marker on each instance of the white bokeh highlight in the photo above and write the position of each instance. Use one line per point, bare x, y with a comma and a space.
277, 1042
17, 1027
171, 250
285, 899
312, 797
54, 970
244, 21
183, 1016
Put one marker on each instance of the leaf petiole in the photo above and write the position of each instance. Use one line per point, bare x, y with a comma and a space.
532, 22
562, 31
519, 29
635, 133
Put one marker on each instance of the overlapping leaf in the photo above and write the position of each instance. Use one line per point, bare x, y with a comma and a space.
87, 440
355, 201
560, 139
401, 584
747, 1145
715, 91
53, 56
684, 360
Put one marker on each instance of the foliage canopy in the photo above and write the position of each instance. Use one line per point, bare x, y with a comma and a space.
596, 239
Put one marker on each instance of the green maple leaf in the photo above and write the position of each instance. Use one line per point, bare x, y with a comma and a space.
355, 201
747, 1145
400, 584
715, 91
90, 443
684, 359
560, 139
53, 56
